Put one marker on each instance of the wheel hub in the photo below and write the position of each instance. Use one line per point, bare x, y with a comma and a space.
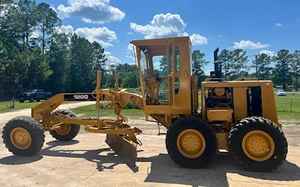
191, 143
20, 138
258, 145
63, 130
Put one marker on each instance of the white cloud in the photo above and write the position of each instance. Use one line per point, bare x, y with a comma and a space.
198, 39
35, 34
267, 52
166, 25
161, 25
102, 35
111, 60
67, 29
278, 24
247, 44
91, 11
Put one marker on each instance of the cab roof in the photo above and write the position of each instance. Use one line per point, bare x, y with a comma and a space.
160, 41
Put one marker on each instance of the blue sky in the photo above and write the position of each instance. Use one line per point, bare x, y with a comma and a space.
254, 25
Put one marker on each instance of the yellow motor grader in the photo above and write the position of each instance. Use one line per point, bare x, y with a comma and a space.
235, 116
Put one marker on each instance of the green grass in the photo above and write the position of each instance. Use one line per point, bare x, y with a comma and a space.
288, 107
5, 106
289, 116
289, 103
90, 110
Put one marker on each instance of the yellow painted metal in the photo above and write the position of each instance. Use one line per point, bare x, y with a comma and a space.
222, 140
61, 123
191, 143
183, 101
219, 91
180, 96
214, 115
235, 84
122, 146
240, 97
20, 138
195, 94
42, 111
240, 103
258, 145
269, 104
203, 103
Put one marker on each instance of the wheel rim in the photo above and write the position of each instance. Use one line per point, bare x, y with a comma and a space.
191, 143
63, 130
20, 138
258, 145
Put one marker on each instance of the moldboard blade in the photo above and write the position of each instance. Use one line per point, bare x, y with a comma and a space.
122, 147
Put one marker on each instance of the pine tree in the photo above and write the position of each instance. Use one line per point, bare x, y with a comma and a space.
199, 62
295, 69
262, 65
282, 70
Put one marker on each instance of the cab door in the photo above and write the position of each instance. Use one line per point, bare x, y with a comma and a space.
156, 76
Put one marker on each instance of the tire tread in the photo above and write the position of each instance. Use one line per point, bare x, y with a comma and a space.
252, 123
35, 129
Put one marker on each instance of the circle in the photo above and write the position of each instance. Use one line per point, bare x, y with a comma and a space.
191, 143
63, 130
258, 145
20, 138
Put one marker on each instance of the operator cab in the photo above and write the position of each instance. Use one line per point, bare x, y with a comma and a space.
165, 75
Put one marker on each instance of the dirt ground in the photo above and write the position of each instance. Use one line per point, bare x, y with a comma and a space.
88, 161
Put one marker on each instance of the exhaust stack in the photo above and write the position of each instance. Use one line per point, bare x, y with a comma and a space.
217, 74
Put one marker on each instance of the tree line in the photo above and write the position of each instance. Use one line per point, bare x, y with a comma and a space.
283, 68
33, 54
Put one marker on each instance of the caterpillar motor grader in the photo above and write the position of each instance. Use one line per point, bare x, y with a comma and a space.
235, 116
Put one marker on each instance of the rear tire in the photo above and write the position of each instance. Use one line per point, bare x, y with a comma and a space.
194, 159
23, 136
276, 151
67, 132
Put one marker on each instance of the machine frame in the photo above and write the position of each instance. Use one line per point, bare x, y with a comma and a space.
236, 116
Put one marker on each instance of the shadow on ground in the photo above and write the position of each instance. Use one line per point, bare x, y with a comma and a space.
19, 160
162, 169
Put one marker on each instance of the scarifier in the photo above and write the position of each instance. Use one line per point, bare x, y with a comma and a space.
238, 117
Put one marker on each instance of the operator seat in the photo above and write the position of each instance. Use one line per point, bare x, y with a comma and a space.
152, 88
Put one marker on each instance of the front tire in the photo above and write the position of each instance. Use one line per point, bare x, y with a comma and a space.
191, 143
23, 136
258, 144
66, 132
